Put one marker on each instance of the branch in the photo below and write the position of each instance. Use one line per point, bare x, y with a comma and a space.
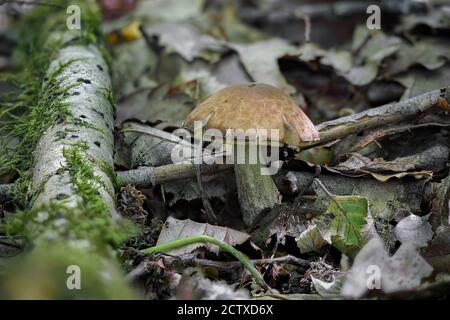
190, 261
151, 176
381, 116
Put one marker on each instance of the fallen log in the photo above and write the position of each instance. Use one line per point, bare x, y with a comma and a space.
70, 216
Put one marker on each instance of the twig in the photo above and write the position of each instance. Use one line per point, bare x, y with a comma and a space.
224, 246
190, 260
151, 176
211, 216
307, 20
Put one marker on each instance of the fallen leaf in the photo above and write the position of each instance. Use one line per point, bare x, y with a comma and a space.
329, 290
169, 10
310, 240
175, 229
372, 267
186, 40
131, 31
348, 231
261, 60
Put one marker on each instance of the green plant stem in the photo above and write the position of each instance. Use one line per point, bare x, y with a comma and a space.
224, 246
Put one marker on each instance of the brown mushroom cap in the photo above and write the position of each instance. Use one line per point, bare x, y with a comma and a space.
255, 106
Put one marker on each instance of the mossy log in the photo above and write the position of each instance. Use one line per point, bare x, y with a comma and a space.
71, 218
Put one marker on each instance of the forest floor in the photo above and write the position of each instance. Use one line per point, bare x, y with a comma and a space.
363, 214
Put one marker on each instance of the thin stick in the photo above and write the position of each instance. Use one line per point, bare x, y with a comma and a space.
211, 216
380, 116
191, 260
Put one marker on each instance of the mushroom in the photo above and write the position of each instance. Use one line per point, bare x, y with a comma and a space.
255, 106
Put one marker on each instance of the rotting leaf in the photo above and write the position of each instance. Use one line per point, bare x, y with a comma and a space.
187, 41
440, 212
261, 60
310, 240
372, 48
132, 62
329, 290
279, 222
380, 168
226, 25
437, 19
194, 286
419, 80
372, 266
420, 54
175, 229
169, 10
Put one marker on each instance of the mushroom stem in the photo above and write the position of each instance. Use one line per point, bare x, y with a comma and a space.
257, 193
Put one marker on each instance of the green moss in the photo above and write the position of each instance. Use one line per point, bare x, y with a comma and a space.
110, 97
78, 230
87, 186
109, 170
89, 220
85, 124
41, 99
47, 107
38, 101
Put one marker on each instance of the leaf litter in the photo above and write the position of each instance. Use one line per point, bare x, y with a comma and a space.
383, 202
